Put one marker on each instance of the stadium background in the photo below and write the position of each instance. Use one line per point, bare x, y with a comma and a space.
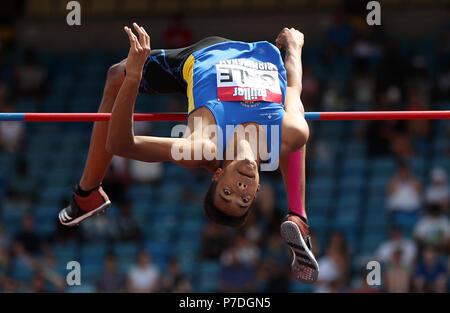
354, 205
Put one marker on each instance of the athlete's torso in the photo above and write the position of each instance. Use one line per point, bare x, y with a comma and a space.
239, 83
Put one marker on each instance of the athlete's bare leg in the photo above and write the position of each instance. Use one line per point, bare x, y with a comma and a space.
89, 198
98, 158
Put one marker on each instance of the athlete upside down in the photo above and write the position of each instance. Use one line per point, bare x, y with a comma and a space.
244, 110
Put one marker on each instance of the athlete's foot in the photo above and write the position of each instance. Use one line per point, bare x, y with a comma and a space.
295, 232
83, 205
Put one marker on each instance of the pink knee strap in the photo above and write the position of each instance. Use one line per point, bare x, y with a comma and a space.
294, 183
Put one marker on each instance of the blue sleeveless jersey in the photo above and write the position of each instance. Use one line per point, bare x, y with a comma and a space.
239, 82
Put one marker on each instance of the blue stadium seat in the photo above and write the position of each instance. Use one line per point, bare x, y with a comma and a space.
405, 220
192, 211
63, 81
356, 149
441, 161
27, 105
72, 143
174, 172
46, 226
375, 203
124, 265
159, 252
92, 254
54, 194
141, 211
378, 185
318, 224
346, 219
158, 234
322, 168
83, 288
126, 254
417, 165
351, 185
370, 242
383, 167
323, 187
187, 250
126, 248
57, 102
189, 229
298, 287
281, 201
64, 163
90, 272
59, 177
354, 166
140, 192
162, 207
12, 219
93, 72
333, 148
319, 206
208, 276
6, 159
12, 229
444, 105
39, 166
21, 271
169, 193
441, 126
161, 230
86, 102
188, 268
64, 253
349, 201
199, 188
7, 165
331, 130
376, 220
157, 248
43, 142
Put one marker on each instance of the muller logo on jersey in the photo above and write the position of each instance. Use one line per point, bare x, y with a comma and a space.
247, 80
249, 93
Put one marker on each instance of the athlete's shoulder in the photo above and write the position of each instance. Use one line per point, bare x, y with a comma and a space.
267, 45
249, 45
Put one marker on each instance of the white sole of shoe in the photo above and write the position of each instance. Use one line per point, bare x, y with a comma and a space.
81, 218
304, 264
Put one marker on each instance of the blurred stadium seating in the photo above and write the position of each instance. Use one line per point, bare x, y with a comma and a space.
346, 192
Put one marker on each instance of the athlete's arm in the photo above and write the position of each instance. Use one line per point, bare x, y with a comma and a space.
121, 140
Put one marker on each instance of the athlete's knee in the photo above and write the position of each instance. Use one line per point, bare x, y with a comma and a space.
114, 79
116, 75
298, 134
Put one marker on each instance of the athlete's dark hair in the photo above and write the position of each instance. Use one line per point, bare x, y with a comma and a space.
216, 215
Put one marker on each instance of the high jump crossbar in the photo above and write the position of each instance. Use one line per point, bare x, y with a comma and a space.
181, 117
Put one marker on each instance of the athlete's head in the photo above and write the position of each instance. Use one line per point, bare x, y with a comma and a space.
231, 194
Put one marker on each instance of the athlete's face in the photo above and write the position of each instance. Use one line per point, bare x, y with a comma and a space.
237, 186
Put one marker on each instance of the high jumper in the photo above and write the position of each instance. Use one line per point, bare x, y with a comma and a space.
244, 115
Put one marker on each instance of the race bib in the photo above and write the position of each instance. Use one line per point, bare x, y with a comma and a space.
247, 80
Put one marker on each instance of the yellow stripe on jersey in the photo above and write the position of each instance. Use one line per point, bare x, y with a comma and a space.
188, 75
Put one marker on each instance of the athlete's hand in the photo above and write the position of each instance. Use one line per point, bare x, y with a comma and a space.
139, 50
289, 37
